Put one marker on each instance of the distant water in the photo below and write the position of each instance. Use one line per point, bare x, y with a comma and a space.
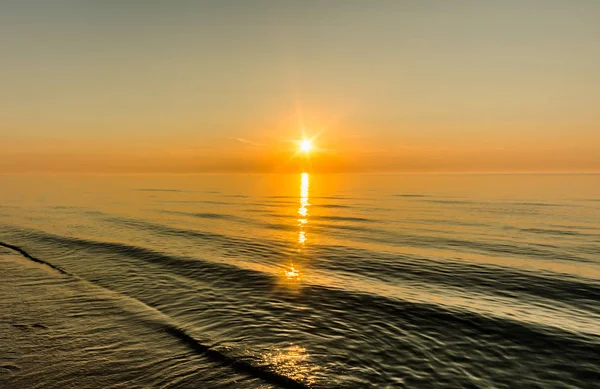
388, 281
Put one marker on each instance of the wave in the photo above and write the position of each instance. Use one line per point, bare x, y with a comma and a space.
487, 279
490, 279
344, 218
538, 251
264, 248
383, 263
208, 351
195, 202
204, 215
466, 202
538, 204
334, 206
393, 267
545, 231
450, 327
494, 203
521, 249
266, 225
159, 190
32, 258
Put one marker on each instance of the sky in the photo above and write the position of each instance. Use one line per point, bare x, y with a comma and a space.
228, 86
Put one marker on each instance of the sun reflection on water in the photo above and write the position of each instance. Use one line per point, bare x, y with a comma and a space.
292, 362
302, 237
303, 210
291, 272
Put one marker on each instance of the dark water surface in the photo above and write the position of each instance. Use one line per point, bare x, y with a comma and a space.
206, 281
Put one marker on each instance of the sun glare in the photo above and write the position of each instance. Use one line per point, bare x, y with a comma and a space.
292, 274
306, 145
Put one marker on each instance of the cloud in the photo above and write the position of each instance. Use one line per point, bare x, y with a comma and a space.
248, 141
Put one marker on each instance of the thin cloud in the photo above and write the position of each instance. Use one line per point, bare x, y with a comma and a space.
249, 142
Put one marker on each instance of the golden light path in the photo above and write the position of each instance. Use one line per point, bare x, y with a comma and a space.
292, 273
294, 361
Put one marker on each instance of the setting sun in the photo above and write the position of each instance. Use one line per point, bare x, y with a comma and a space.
306, 145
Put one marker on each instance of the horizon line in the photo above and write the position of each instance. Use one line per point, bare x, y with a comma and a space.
133, 173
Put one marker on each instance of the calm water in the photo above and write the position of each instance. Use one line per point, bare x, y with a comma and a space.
300, 281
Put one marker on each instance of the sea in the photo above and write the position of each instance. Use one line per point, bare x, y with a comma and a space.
300, 281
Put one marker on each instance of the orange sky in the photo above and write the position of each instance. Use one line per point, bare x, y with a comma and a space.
387, 87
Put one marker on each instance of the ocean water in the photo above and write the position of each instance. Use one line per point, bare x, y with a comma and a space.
296, 281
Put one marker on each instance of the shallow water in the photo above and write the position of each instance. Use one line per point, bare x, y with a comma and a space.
300, 281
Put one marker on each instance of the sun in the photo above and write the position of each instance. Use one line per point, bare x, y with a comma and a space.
306, 145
